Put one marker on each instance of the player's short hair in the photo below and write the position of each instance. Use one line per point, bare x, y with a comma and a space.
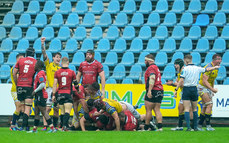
214, 57
58, 53
150, 56
65, 60
103, 119
29, 52
98, 103
188, 57
91, 52
90, 102
95, 86
40, 64
179, 62
18, 55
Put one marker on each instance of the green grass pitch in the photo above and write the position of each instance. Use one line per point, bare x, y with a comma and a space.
221, 135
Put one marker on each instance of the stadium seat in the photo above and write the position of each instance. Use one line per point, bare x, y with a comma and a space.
56, 21
2, 33
24, 21
225, 8
6, 45
127, 81
196, 58
15, 34
98, 56
135, 72
11, 59
111, 59
129, 7
169, 46
72, 67
169, 72
136, 45
31, 34
55, 46
113, 7
137, 20
97, 7
170, 19
37, 46
177, 55
17, 8
81, 7
119, 46
33, 8
72, 20
145, 33
96, 33
207, 59
219, 46
111, 81
161, 33
1, 58
145, 7
222, 73
22, 45
8, 20
49, 54
163, 81
186, 20
202, 20
64, 54
49, 8
225, 59
103, 46
185, 46
48, 33
219, 19
87, 45
121, 20
80, 33
128, 33
119, 72
71, 46
40, 21
105, 20
141, 59
112, 33
161, 59
127, 59
78, 58
161, 7
226, 81
153, 46
211, 33
194, 33
211, 7
65, 8
88, 20
194, 6
64, 33
178, 33
153, 20
4, 72
178, 6
225, 33
106, 71
202, 46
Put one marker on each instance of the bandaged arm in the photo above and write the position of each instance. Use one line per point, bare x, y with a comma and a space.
151, 81
40, 87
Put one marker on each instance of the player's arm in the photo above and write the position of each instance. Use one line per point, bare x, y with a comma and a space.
54, 88
179, 84
102, 77
15, 75
117, 121
207, 84
151, 84
84, 105
45, 57
212, 68
78, 76
82, 125
39, 88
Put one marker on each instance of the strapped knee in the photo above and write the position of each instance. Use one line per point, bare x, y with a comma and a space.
29, 104
207, 103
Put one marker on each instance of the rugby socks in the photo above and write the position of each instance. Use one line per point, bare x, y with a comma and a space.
61, 120
65, 119
195, 119
192, 123
180, 121
15, 118
55, 121
187, 119
49, 121
159, 125
36, 122
202, 118
208, 118
25, 120
146, 127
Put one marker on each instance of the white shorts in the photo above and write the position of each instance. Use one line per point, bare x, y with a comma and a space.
202, 90
131, 109
181, 101
49, 99
14, 96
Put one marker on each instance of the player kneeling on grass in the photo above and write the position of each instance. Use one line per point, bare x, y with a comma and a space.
40, 97
128, 121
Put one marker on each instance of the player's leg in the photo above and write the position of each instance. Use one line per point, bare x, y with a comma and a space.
48, 106
16, 114
156, 109
149, 107
36, 119
195, 115
47, 118
68, 108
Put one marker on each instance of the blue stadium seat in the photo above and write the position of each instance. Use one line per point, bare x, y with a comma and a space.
97, 7
202, 20
163, 81
170, 19
106, 71
78, 58
55, 46
56, 21
194, 6
6, 45
80, 33
24, 21
153, 20
145, 33
135, 72
226, 81
129, 7
169, 46
112, 33
96, 33
2, 33
72, 67
222, 73
178, 6
153, 46
211, 33
137, 20
113, 7
111, 81
48, 33
40, 21
72, 20
105, 20
5, 72
169, 72
225, 33
225, 7
194, 33
86, 45
81, 7
119, 72
111, 59
15, 34
127, 59
37, 46
65, 8
219, 19
71, 46
211, 7
161, 59
31, 34
121, 20
202, 46
22, 45
128, 33
8, 20
49, 54
161, 33
119, 46
141, 59
161, 7
177, 55
64, 33
1, 58
103, 46
178, 33
17, 8
208, 58
219, 46
127, 81
33, 8
88, 20
98, 56
186, 19
49, 8
225, 59
145, 7
185, 46
12, 58
136, 45
196, 58
64, 54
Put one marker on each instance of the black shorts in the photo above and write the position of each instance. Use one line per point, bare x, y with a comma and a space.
64, 98
24, 93
40, 100
157, 96
190, 93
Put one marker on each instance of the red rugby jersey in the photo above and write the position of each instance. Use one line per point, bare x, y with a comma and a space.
131, 122
77, 95
40, 78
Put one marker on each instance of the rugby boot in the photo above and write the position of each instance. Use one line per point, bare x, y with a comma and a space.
177, 129
189, 129
209, 128
44, 129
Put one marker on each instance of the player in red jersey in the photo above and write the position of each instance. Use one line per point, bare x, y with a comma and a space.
64, 77
128, 120
106, 122
24, 82
154, 92
90, 69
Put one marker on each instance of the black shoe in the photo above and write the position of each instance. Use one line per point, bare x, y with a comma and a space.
189, 129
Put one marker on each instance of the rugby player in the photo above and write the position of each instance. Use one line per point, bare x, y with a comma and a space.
128, 121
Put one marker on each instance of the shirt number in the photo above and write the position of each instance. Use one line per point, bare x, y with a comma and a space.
26, 69
63, 79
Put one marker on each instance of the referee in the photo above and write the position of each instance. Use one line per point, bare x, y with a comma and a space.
189, 79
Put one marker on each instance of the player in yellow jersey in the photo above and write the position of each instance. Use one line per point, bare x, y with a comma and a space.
206, 91
18, 110
51, 68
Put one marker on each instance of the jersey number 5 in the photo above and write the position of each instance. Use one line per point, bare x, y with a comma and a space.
26, 69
